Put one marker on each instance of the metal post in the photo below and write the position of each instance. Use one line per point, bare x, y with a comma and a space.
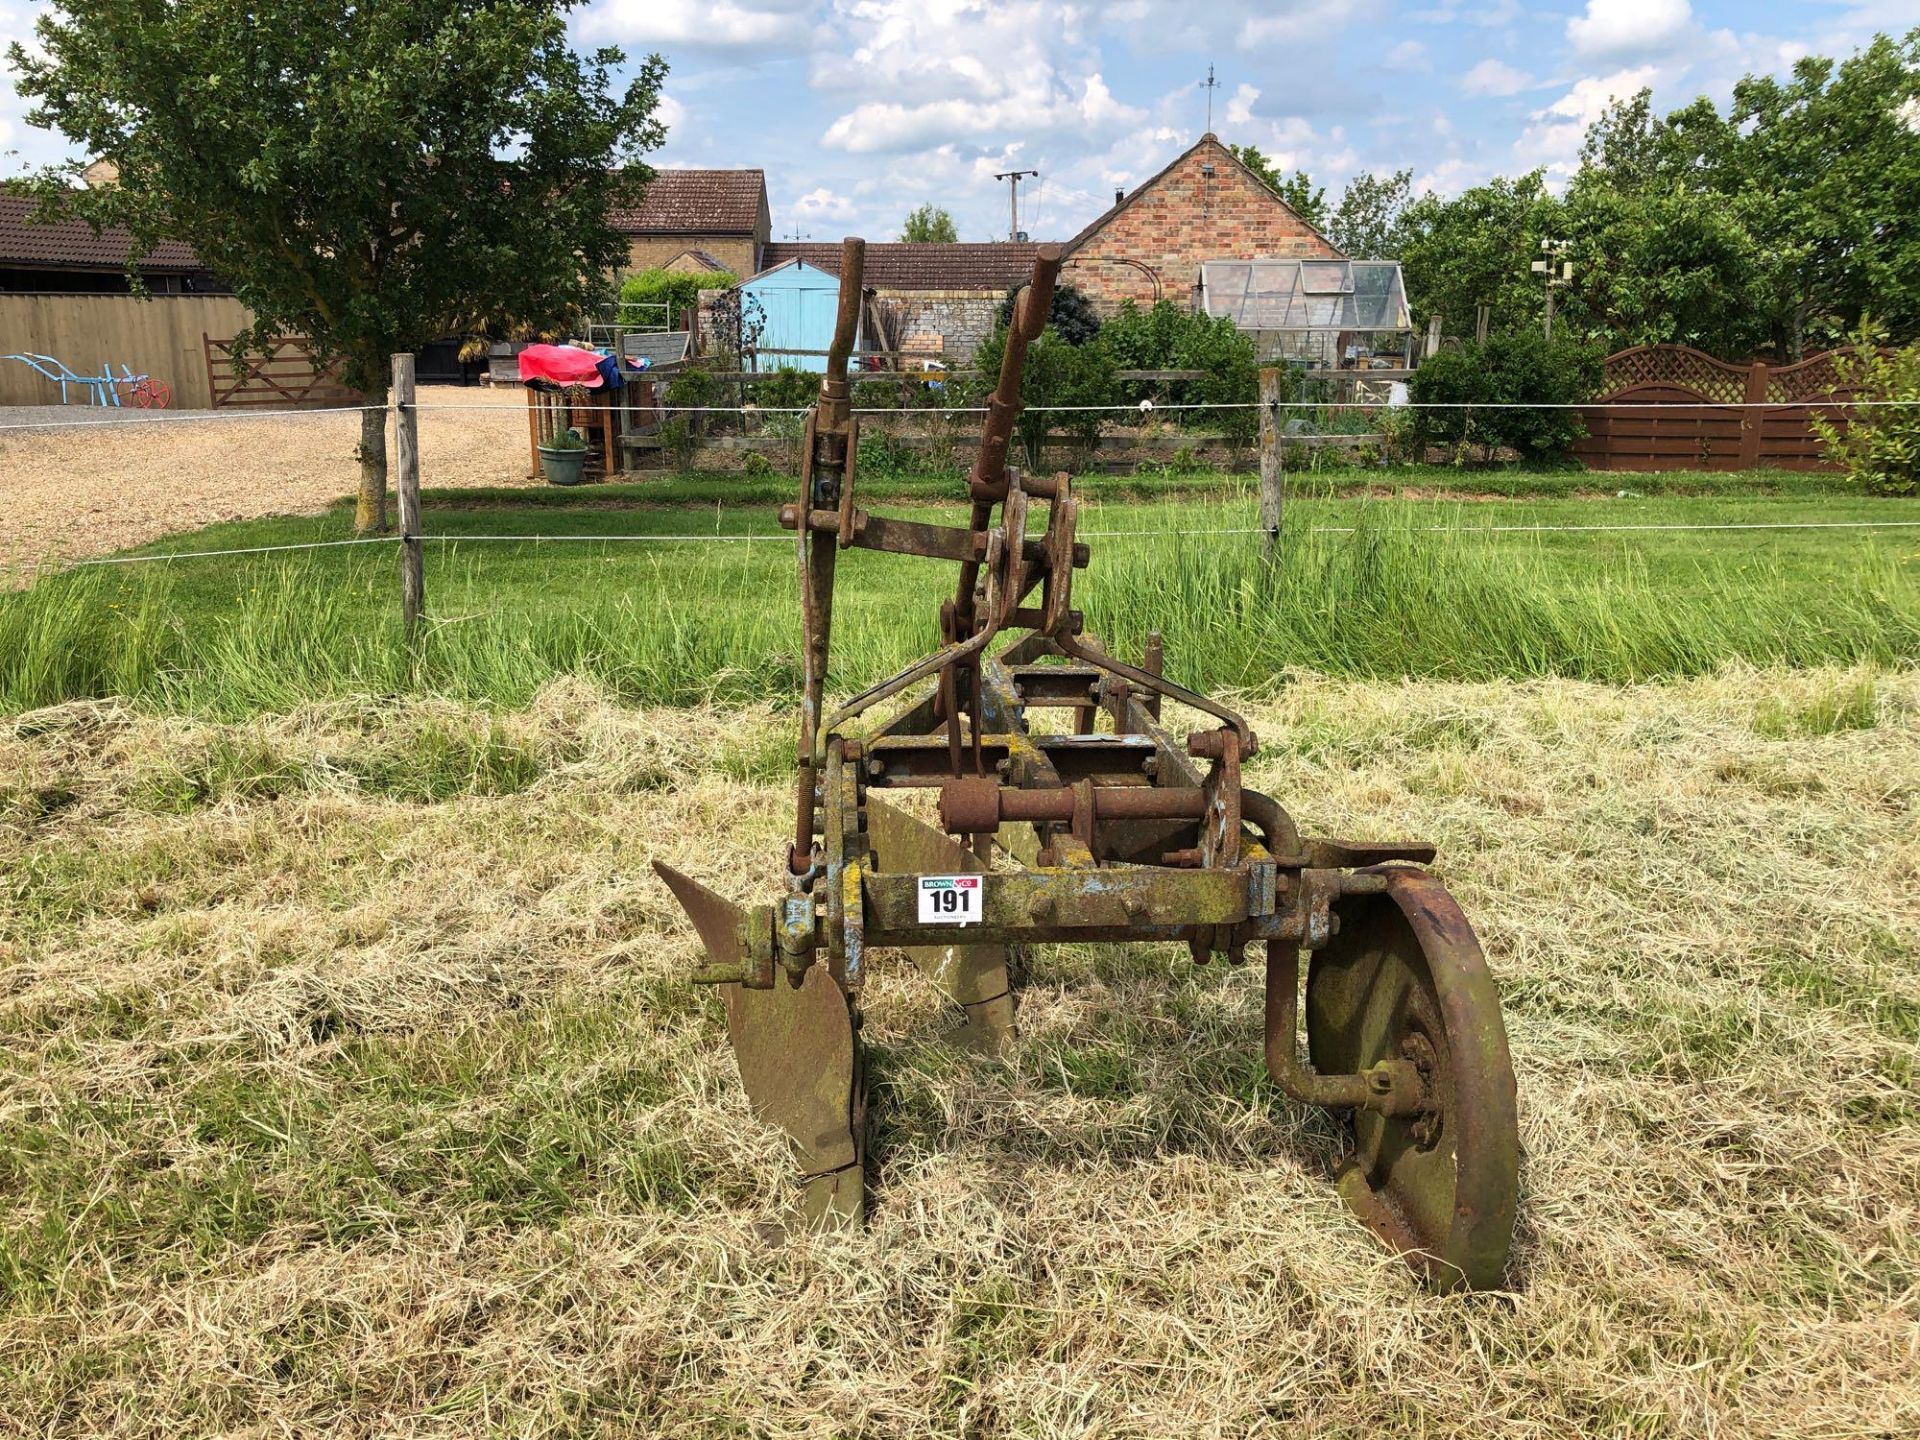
1272, 476
406, 454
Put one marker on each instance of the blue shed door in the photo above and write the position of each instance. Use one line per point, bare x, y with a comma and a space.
798, 304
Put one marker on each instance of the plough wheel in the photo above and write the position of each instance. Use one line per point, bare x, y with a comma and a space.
1404, 978
799, 1062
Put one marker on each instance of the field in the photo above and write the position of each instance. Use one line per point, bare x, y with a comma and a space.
350, 1082
700, 607
349, 1085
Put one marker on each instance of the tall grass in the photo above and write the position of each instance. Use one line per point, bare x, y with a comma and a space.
719, 622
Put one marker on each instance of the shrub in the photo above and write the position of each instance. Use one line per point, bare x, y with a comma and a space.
1165, 337
677, 436
680, 293
1057, 373
1519, 370
787, 388
1879, 448
692, 389
1072, 317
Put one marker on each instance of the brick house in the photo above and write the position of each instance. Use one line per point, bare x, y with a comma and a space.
937, 300
691, 219
1204, 206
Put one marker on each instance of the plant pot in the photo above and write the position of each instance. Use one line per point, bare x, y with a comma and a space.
563, 467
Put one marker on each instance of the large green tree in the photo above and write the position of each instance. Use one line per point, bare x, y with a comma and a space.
370, 174
1368, 223
1824, 169
928, 224
1475, 249
1779, 225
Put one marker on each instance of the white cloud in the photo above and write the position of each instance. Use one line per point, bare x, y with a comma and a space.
821, 203
1500, 12
1407, 55
1300, 20
672, 114
690, 24
1616, 28
1494, 77
1553, 139
1240, 107
971, 72
1909, 114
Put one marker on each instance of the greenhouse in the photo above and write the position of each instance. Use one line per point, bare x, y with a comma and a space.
1330, 313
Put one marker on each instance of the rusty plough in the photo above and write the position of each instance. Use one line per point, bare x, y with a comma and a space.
1125, 835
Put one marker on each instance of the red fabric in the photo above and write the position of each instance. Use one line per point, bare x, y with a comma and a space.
561, 364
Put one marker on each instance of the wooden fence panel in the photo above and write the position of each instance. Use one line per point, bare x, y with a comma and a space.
160, 336
1668, 407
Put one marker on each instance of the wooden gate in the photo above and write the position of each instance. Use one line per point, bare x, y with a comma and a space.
1669, 407
283, 374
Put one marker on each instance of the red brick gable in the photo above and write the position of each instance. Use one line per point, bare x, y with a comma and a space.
1151, 244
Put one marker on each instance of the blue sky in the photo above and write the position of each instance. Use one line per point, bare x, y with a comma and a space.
859, 110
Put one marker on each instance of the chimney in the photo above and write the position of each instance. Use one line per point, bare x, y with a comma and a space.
1118, 194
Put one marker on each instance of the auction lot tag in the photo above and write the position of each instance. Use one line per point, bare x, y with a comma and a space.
950, 899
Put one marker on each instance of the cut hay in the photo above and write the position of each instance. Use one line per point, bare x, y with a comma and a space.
349, 1085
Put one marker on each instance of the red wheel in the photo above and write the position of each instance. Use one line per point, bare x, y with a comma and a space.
151, 394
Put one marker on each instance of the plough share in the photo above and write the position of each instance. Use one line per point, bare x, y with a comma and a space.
1121, 834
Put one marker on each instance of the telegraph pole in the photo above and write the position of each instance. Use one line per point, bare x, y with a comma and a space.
1013, 199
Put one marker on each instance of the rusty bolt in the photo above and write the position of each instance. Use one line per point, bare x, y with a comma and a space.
1207, 744
1134, 906
1041, 908
876, 767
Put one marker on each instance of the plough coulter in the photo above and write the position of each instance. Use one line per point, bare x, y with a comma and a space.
1087, 833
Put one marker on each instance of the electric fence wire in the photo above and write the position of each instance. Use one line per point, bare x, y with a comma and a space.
774, 537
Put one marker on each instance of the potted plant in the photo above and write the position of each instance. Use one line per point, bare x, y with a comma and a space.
563, 459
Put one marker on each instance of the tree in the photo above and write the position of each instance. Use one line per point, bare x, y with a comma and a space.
1662, 265
1475, 250
1303, 197
1824, 169
929, 225
1367, 223
371, 175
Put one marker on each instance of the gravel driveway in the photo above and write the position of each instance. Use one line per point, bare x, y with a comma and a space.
72, 490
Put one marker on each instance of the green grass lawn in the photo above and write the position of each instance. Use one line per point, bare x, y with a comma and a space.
1370, 585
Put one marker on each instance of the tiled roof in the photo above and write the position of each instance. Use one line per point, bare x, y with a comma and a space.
697, 202
71, 245
895, 266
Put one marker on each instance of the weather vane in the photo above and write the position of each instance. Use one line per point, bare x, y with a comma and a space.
1209, 85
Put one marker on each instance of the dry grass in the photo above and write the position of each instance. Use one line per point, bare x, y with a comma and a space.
326, 1111
91, 491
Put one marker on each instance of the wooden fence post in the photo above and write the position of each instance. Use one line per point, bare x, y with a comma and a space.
1272, 477
406, 454
1753, 418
